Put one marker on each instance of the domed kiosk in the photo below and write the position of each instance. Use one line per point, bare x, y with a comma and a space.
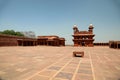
83, 38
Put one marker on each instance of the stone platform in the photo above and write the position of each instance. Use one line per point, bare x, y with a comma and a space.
57, 63
78, 53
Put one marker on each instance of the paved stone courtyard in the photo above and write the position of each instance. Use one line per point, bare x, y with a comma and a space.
58, 63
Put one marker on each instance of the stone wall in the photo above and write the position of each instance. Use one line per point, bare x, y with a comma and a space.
6, 40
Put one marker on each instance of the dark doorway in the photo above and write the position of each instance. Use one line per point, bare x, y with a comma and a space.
20, 43
79, 43
83, 43
50, 43
118, 45
112, 45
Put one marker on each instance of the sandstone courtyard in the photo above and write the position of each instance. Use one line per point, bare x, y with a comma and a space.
58, 63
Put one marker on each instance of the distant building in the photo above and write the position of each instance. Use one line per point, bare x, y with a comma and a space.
10, 40
101, 44
51, 41
114, 44
83, 38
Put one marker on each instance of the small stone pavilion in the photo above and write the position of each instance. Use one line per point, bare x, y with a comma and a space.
52, 40
83, 38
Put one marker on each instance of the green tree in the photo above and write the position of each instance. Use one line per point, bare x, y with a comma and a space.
11, 32
19, 34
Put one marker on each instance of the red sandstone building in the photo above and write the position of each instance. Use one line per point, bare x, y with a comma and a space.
51, 41
114, 44
83, 38
9, 40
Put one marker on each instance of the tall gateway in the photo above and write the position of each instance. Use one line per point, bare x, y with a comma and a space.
83, 38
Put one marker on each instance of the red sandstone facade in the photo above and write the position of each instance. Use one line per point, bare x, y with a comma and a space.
114, 44
6, 40
26, 41
83, 38
9, 40
51, 41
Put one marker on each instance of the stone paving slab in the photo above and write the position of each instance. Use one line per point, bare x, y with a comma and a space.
58, 63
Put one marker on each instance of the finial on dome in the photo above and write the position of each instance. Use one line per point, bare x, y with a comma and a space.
91, 24
75, 25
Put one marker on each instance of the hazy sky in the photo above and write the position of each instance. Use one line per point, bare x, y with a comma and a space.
57, 17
